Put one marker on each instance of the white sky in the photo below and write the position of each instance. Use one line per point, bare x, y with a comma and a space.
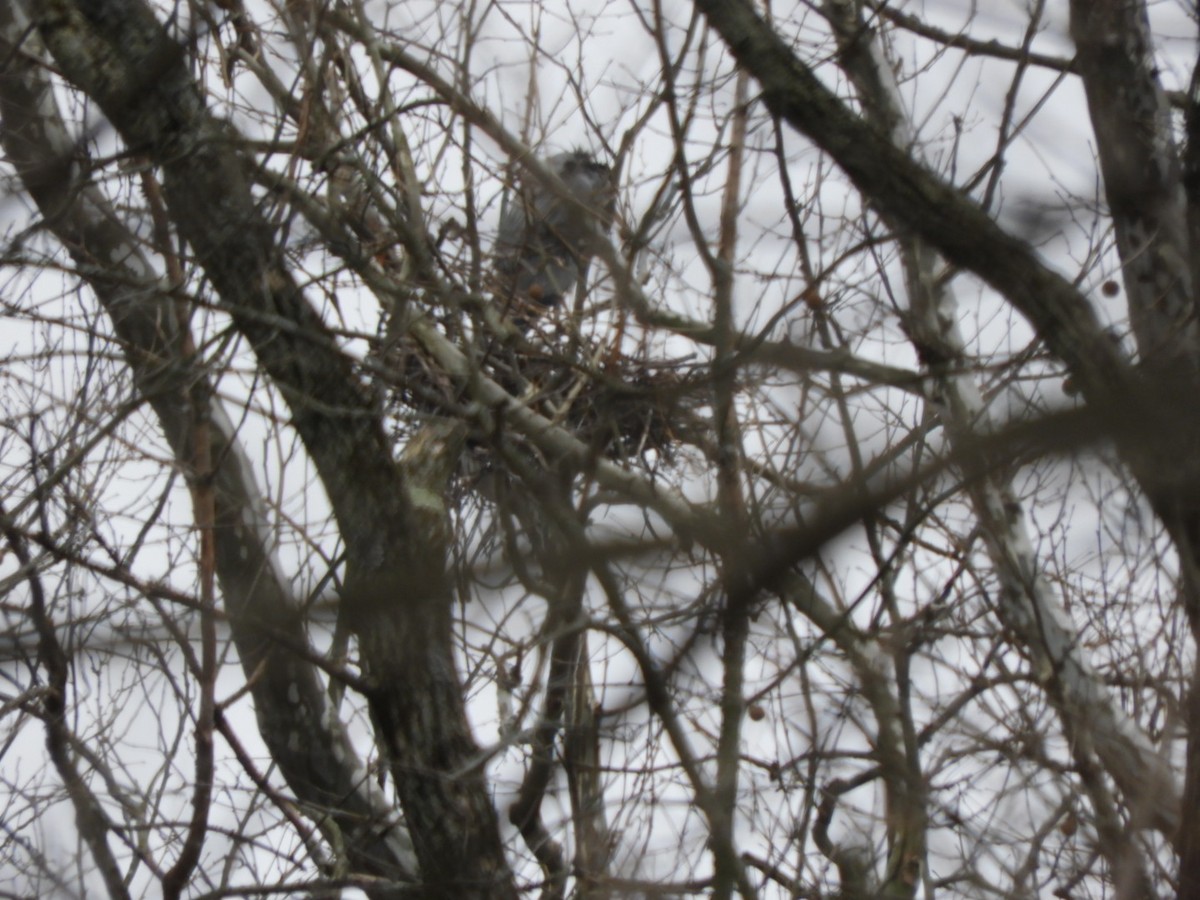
1079, 515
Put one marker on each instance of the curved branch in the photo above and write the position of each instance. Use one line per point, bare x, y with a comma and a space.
920, 201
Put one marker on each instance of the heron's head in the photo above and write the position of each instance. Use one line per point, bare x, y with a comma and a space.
579, 164
588, 179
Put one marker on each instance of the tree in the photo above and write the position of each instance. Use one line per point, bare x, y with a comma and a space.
839, 537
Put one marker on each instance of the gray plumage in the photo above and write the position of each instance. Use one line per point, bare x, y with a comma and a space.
544, 244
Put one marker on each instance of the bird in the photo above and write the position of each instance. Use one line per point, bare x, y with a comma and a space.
544, 243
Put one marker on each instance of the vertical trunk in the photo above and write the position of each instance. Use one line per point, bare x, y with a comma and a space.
397, 598
1145, 188
323, 769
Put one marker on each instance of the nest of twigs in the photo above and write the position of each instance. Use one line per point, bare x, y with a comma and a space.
626, 408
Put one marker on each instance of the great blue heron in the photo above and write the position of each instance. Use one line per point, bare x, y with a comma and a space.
545, 242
